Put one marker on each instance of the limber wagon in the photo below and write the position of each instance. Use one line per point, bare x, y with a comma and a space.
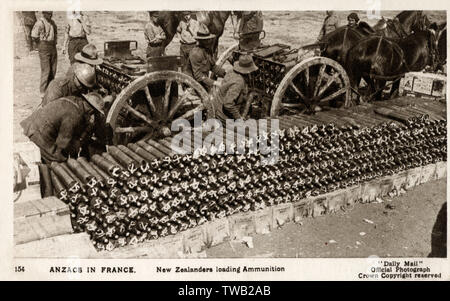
150, 97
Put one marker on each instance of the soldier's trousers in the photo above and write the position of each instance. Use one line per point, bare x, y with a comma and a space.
49, 60
185, 49
75, 45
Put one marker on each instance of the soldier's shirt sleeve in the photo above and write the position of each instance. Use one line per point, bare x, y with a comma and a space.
37, 29
86, 22
181, 27
149, 33
199, 67
66, 131
219, 71
230, 99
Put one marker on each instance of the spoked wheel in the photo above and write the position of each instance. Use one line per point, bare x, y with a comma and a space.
310, 86
148, 106
223, 58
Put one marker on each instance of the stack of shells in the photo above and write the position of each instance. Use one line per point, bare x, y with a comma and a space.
129, 194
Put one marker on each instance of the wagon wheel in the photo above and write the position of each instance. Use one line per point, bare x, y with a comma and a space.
223, 58
310, 85
148, 105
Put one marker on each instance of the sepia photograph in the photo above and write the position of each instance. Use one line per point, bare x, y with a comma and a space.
231, 134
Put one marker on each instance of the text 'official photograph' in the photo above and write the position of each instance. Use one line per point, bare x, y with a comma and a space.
230, 134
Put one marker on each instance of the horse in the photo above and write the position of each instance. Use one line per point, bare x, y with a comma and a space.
337, 43
378, 59
169, 21
413, 20
403, 24
214, 20
441, 47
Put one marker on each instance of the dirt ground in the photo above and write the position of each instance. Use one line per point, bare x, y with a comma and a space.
401, 228
404, 230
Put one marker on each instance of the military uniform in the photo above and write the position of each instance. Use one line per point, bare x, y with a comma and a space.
187, 31
330, 24
77, 30
46, 32
61, 87
230, 97
199, 65
249, 30
29, 19
57, 127
154, 35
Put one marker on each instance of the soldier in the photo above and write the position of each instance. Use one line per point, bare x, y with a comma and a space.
330, 24
249, 30
60, 127
231, 94
87, 55
75, 38
82, 79
201, 60
45, 33
29, 19
154, 35
187, 29
353, 20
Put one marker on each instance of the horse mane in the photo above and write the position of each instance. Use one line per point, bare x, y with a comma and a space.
365, 27
406, 13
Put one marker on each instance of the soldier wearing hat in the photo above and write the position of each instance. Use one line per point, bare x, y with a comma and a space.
45, 34
87, 55
80, 81
331, 23
201, 60
187, 29
59, 127
75, 38
154, 35
231, 94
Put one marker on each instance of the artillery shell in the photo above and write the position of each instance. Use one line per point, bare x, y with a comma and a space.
106, 165
155, 152
133, 155
91, 170
79, 171
65, 177
111, 159
142, 152
123, 158
46, 181
58, 186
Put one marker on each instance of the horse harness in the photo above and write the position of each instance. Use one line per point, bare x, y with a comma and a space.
399, 51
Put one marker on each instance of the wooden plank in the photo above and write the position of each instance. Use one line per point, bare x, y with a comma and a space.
25, 209
55, 205
37, 227
62, 246
40, 207
23, 232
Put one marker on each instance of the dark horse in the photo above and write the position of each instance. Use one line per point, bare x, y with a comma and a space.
442, 47
378, 59
405, 23
214, 20
169, 20
336, 44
